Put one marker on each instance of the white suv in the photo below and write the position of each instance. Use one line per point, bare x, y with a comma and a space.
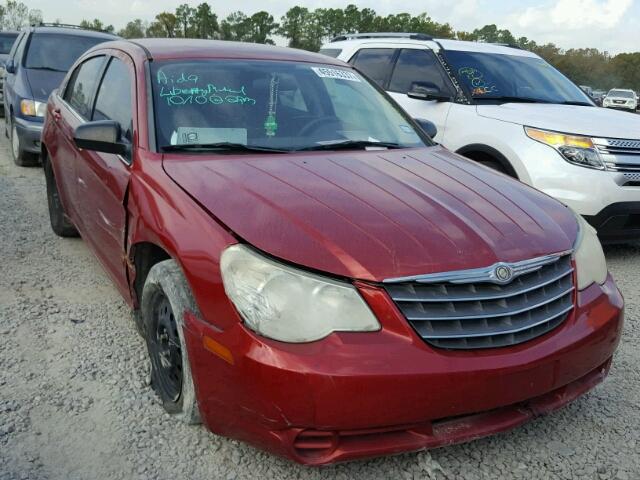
621, 98
510, 110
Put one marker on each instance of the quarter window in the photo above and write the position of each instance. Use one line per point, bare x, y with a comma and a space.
375, 63
79, 93
417, 66
114, 98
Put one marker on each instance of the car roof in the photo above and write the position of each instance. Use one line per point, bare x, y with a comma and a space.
174, 48
446, 44
80, 32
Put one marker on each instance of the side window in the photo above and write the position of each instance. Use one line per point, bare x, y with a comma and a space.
114, 98
375, 63
418, 66
82, 85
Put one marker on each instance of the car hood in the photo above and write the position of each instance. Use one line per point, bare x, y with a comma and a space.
376, 215
579, 120
43, 82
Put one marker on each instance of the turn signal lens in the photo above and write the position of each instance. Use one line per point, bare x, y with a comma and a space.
31, 108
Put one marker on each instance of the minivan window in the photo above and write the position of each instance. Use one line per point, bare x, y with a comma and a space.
113, 101
6, 42
491, 77
331, 52
275, 105
417, 66
375, 63
82, 85
53, 51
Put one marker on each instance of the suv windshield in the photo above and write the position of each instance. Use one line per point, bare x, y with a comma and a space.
621, 94
273, 105
6, 42
54, 51
495, 77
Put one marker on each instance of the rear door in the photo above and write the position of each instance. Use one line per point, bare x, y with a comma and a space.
103, 178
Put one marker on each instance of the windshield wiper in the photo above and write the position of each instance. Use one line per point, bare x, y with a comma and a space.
224, 146
507, 99
49, 69
578, 103
348, 145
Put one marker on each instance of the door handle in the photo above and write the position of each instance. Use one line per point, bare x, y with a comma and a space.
56, 114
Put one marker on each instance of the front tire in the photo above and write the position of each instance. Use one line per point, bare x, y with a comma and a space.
60, 222
20, 157
165, 298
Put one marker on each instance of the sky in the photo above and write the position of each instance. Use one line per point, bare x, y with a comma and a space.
611, 25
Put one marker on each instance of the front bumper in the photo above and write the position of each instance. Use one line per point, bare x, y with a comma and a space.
628, 107
356, 395
619, 222
29, 133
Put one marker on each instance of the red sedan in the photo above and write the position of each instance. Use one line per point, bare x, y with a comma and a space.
311, 273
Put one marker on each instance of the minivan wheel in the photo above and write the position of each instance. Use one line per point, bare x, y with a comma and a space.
165, 298
20, 157
60, 222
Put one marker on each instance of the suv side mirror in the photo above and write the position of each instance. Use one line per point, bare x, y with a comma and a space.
10, 67
428, 127
101, 136
427, 91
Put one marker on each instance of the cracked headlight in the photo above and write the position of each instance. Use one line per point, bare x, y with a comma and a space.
591, 266
288, 304
573, 148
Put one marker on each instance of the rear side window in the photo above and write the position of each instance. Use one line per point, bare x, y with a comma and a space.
82, 85
418, 66
114, 97
375, 63
53, 51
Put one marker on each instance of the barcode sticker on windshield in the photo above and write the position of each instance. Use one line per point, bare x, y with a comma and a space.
335, 73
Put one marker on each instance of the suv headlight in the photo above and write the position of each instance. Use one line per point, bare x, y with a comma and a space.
33, 108
574, 149
591, 265
291, 305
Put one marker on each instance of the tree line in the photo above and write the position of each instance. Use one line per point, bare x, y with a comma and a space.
309, 29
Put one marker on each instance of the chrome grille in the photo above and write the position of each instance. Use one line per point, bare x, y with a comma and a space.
619, 154
464, 310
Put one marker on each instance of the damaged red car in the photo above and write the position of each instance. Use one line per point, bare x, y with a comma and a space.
311, 273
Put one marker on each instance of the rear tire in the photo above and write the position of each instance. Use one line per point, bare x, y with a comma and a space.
20, 157
60, 223
165, 297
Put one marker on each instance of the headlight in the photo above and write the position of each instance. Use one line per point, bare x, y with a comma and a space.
574, 149
291, 305
32, 108
591, 265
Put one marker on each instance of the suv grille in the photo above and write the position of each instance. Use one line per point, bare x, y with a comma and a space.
451, 311
618, 154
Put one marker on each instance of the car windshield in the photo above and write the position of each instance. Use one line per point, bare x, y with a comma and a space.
6, 42
621, 94
493, 77
273, 105
53, 51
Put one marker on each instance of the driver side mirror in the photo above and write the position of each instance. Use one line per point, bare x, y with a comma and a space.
427, 127
10, 67
427, 91
101, 136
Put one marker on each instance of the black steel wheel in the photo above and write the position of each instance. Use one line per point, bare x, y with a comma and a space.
165, 298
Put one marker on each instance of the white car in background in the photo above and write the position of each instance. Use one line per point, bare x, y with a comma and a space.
512, 111
621, 98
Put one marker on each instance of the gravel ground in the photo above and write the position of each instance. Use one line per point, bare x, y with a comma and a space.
75, 401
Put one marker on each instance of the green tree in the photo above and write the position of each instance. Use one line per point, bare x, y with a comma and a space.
185, 17
261, 27
235, 27
292, 26
204, 22
165, 25
96, 24
16, 15
134, 29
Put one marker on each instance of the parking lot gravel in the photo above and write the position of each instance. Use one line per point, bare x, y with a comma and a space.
75, 401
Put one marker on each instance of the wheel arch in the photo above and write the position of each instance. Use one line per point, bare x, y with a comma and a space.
144, 255
480, 152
